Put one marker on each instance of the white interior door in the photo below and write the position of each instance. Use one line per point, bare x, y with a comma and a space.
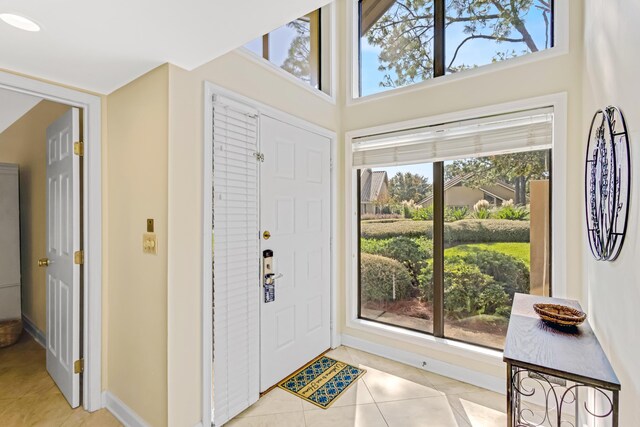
295, 208
63, 239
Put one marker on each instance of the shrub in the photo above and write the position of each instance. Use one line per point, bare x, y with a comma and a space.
373, 246
511, 272
378, 274
464, 231
423, 214
512, 212
467, 290
481, 210
478, 282
452, 214
366, 217
412, 253
482, 205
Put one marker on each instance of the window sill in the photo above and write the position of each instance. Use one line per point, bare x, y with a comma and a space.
457, 348
261, 62
467, 74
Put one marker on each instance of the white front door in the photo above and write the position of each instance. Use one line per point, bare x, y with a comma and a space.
63, 239
295, 204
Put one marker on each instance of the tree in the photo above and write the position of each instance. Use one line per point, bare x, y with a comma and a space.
409, 186
405, 34
298, 57
517, 169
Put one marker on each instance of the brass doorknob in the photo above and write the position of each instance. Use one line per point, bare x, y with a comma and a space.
44, 262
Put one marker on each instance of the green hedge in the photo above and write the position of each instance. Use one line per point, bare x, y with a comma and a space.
464, 231
377, 277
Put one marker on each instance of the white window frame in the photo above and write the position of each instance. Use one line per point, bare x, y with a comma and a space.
211, 89
561, 47
92, 232
558, 223
328, 58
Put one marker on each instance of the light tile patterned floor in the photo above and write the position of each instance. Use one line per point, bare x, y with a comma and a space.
29, 397
390, 394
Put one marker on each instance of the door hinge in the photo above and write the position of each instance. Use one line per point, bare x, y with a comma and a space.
259, 157
78, 366
78, 148
78, 257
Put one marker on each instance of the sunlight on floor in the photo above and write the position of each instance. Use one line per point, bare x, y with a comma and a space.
390, 394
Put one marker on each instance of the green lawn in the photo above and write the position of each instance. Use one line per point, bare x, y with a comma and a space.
517, 250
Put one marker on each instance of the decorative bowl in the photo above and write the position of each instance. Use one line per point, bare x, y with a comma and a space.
560, 315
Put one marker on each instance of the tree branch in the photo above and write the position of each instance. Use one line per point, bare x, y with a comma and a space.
480, 36
518, 24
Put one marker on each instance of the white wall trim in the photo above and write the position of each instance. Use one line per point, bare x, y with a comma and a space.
460, 373
122, 412
330, 97
561, 47
32, 330
92, 244
207, 325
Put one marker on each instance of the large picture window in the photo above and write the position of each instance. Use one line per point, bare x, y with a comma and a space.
294, 47
445, 244
402, 42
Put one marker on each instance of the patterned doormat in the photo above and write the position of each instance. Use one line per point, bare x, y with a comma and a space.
322, 381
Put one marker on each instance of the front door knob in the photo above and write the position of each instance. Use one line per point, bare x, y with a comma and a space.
44, 262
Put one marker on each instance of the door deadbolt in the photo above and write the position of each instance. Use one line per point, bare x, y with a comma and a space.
266, 235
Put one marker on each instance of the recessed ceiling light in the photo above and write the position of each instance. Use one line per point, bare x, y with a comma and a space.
20, 22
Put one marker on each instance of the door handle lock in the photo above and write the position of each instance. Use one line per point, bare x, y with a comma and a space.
44, 262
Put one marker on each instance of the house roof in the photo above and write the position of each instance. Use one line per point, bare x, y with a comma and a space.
460, 178
371, 185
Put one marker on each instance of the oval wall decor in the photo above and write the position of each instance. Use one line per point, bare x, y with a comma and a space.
607, 183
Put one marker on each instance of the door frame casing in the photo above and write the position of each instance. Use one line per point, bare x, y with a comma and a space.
211, 89
92, 228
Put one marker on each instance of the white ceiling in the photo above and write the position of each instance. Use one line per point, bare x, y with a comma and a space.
14, 105
102, 45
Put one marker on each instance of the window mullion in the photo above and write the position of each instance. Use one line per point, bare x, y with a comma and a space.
438, 183
438, 38
438, 249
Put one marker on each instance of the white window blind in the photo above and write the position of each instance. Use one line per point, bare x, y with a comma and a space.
507, 133
235, 259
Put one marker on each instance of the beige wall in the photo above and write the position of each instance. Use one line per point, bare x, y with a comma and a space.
611, 64
24, 143
136, 299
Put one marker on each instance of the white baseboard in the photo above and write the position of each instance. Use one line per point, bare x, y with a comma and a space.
460, 373
32, 330
122, 412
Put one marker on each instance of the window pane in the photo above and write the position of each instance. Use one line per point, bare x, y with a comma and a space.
497, 228
255, 46
494, 31
396, 246
294, 47
396, 44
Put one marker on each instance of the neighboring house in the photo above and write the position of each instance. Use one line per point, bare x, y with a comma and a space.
374, 190
459, 195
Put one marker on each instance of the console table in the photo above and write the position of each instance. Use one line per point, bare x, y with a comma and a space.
556, 376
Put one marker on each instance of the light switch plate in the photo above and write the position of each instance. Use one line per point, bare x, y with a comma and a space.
150, 243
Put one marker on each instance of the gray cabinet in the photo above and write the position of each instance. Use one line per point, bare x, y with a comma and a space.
10, 306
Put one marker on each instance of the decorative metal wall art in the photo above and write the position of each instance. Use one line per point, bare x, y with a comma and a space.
607, 183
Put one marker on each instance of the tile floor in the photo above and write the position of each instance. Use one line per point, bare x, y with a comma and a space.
390, 394
29, 397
